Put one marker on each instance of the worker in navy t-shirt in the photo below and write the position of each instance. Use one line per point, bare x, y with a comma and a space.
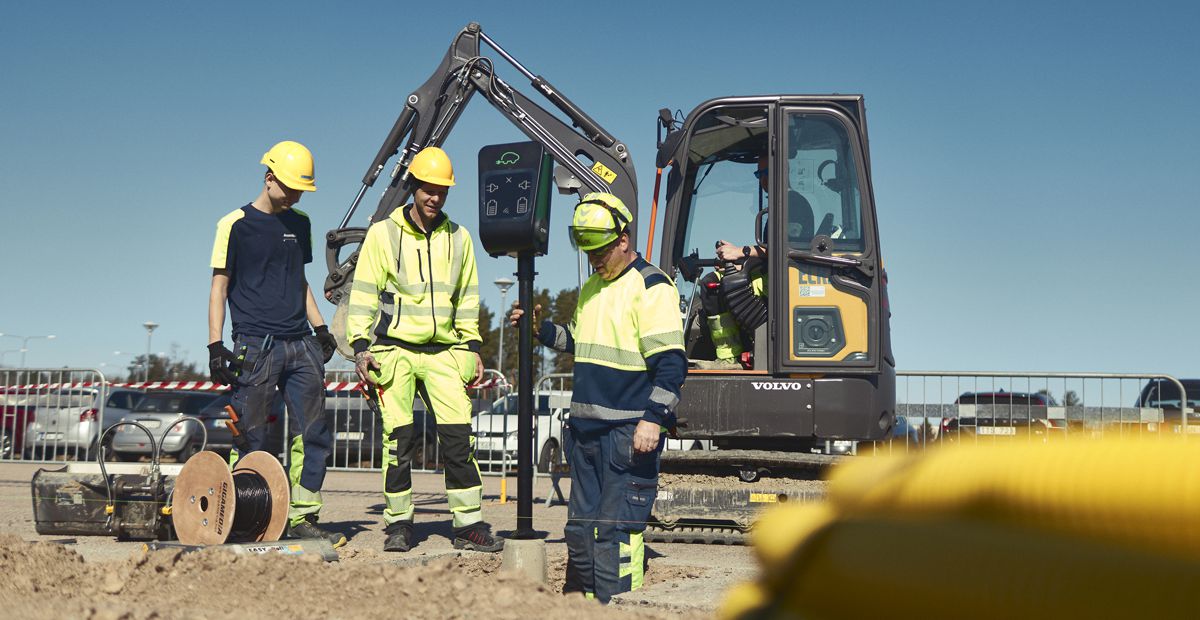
258, 269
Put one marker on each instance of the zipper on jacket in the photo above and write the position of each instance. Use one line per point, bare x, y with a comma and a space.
432, 312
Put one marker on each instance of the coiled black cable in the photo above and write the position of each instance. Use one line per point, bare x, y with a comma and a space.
253, 506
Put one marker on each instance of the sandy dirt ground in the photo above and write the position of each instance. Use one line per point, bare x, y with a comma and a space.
99, 577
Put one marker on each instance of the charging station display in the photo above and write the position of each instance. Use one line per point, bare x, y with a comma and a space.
514, 198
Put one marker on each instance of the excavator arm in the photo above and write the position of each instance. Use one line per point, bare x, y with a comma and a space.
588, 157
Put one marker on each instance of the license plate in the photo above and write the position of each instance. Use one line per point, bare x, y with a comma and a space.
49, 436
149, 423
1191, 428
995, 430
349, 436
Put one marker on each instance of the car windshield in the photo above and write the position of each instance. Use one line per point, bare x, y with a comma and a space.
1166, 394
162, 403
216, 408
1003, 398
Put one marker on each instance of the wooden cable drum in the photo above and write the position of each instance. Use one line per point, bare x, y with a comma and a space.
212, 505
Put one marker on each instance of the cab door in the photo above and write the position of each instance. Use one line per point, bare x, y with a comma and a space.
829, 307
829, 312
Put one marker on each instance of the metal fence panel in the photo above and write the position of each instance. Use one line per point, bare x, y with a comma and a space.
936, 407
49, 414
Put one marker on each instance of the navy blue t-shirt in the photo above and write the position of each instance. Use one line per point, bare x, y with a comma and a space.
265, 256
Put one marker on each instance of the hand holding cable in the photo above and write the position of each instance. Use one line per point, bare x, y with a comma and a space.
219, 361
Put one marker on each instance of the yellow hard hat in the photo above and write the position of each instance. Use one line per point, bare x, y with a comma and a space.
599, 220
432, 165
292, 164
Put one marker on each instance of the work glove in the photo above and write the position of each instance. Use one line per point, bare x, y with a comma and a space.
327, 341
364, 363
219, 359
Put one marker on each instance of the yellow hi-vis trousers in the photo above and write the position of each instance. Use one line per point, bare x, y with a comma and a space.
440, 379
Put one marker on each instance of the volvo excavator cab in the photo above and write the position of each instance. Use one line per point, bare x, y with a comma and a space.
820, 366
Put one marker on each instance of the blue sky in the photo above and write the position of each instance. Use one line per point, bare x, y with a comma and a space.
1029, 158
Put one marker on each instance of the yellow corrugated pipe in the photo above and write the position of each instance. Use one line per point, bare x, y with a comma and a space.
1095, 529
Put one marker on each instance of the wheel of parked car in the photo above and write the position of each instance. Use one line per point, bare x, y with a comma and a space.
89, 453
188, 451
549, 457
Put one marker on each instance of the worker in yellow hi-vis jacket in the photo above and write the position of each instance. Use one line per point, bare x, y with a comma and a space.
413, 322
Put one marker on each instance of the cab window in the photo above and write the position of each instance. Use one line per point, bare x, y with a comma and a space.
823, 185
720, 176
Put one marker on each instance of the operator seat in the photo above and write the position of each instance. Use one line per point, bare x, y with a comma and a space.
800, 213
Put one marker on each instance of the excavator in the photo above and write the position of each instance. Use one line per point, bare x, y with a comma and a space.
817, 364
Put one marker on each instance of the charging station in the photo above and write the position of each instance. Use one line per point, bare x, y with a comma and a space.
514, 198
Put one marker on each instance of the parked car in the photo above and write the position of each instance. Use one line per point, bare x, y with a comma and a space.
357, 431
220, 439
992, 415
158, 412
1164, 394
71, 420
16, 412
496, 430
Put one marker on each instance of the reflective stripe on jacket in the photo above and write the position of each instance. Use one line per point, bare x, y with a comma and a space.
627, 337
415, 288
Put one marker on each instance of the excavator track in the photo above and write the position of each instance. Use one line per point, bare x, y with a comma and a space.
713, 497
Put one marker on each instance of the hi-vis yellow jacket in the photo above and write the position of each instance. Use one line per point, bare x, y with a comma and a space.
415, 290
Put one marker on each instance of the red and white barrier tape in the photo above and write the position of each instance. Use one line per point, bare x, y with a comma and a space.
202, 386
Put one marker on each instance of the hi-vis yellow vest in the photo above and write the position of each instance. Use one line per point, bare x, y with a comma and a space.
411, 288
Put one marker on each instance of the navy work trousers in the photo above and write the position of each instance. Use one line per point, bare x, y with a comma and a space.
295, 367
612, 492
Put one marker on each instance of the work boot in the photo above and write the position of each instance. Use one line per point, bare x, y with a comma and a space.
399, 537
719, 364
477, 537
308, 529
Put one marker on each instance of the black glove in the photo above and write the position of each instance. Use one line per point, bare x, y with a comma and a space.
327, 341
219, 359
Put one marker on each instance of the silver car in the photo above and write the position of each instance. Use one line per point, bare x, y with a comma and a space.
69, 421
158, 412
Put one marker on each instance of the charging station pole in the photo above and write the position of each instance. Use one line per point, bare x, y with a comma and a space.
525, 436
514, 220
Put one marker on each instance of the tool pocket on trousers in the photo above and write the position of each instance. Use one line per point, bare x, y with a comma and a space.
387, 366
255, 367
312, 348
465, 361
625, 459
639, 503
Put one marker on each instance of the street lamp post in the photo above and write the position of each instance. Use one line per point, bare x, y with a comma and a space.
150, 326
503, 284
25, 343
3, 353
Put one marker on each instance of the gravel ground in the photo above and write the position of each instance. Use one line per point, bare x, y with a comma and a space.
99, 577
